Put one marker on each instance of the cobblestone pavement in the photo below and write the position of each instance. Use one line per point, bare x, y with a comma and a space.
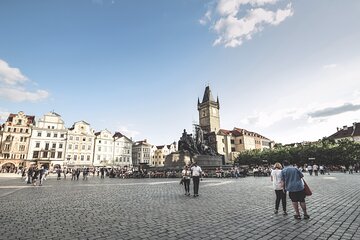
158, 209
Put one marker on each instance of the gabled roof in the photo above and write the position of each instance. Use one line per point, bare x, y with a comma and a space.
347, 132
31, 119
237, 132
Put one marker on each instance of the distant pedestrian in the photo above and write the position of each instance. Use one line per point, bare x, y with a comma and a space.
186, 174
102, 172
85, 173
316, 169
279, 188
65, 172
58, 171
41, 176
310, 169
77, 174
73, 174
292, 179
196, 175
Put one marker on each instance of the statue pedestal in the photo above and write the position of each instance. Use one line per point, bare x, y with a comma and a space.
177, 160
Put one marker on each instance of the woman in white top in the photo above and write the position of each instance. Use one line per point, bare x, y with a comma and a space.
279, 188
186, 174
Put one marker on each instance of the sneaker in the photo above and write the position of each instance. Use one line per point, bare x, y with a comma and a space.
285, 213
276, 211
297, 217
306, 216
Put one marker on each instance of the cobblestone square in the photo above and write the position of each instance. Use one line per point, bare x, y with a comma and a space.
158, 209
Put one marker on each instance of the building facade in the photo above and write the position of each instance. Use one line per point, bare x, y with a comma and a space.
230, 143
209, 116
122, 151
48, 141
141, 151
104, 146
158, 154
16, 133
351, 133
80, 145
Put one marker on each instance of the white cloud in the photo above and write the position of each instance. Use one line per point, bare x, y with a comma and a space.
12, 85
9, 75
127, 132
330, 66
20, 95
4, 114
232, 27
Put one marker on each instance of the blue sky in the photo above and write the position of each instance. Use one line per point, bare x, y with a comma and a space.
288, 70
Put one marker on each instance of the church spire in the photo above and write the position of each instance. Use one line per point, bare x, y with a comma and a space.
208, 95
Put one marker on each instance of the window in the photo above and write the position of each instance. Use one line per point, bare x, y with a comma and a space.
9, 129
240, 141
19, 122
22, 148
99, 141
26, 130
21, 130
52, 127
82, 158
90, 139
39, 134
99, 149
48, 127
47, 146
71, 137
62, 135
70, 146
59, 155
232, 141
14, 130
83, 147
98, 157
37, 144
233, 149
76, 146
55, 135
77, 138
45, 154
88, 158
60, 145
84, 139
48, 134
89, 147
36, 154
75, 157
54, 145
52, 155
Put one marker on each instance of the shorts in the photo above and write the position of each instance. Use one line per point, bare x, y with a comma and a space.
297, 196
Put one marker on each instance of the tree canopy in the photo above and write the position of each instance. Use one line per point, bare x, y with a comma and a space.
325, 151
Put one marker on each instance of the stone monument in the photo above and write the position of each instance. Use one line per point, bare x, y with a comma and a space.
193, 149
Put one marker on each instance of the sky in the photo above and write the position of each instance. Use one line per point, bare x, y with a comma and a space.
288, 70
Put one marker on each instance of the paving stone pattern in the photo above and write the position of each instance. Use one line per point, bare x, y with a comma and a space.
158, 209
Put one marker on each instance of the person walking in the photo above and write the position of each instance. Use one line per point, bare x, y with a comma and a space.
186, 173
58, 171
292, 179
196, 175
279, 188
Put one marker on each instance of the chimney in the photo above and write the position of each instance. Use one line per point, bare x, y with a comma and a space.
337, 129
345, 128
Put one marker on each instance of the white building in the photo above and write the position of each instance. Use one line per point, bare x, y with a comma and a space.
48, 141
103, 153
122, 151
80, 145
141, 153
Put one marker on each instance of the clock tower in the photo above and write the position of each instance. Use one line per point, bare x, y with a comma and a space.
209, 118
